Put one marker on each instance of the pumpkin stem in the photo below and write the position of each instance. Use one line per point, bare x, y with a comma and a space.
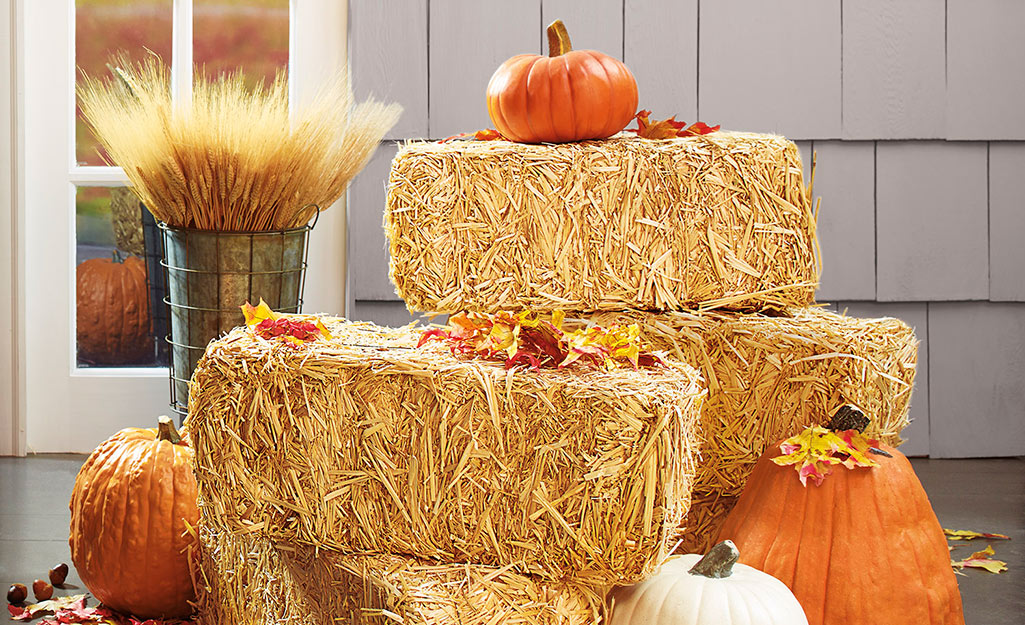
848, 417
166, 430
558, 39
718, 562
116, 257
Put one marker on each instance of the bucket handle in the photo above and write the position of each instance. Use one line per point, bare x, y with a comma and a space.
316, 215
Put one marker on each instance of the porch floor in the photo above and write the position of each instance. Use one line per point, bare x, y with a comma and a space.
984, 495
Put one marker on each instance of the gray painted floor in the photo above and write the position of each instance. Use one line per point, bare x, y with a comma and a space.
983, 495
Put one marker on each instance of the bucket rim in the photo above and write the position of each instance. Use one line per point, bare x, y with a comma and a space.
163, 225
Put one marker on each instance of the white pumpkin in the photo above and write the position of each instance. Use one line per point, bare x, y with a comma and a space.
706, 590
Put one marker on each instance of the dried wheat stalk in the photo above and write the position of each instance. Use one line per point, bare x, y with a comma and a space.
232, 159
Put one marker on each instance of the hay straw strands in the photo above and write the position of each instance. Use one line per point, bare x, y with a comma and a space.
361, 444
231, 159
717, 221
246, 580
700, 528
769, 377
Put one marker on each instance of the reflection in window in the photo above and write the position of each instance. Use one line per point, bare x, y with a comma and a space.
120, 316
107, 27
251, 35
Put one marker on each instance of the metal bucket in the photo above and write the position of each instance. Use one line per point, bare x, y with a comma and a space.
209, 275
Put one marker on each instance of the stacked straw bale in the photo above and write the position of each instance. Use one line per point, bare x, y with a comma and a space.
770, 376
247, 580
365, 443
716, 221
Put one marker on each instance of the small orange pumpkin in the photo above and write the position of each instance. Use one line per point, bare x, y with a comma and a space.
132, 508
863, 547
570, 95
112, 310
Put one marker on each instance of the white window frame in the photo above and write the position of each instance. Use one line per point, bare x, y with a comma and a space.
60, 407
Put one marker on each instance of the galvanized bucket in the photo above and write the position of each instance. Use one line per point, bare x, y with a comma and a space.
211, 274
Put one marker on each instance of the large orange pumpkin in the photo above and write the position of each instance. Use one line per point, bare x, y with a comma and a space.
112, 311
131, 509
863, 547
570, 95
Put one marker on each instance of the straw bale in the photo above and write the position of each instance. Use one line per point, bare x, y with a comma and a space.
248, 580
366, 444
716, 221
705, 517
770, 376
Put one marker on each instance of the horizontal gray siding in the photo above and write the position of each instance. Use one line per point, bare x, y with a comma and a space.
915, 109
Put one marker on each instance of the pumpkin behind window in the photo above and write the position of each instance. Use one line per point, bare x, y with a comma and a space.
112, 310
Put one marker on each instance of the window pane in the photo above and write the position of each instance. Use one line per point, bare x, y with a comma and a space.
106, 27
251, 35
120, 316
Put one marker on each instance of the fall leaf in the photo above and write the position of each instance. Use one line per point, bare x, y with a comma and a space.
538, 340
969, 535
489, 134
72, 609
668, 128
698, 128
816, 450
57, 604
981, 560
295, 330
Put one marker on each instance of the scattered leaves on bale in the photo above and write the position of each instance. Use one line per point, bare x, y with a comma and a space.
668, 128
537, 340
816, 450
489, 134
295, 330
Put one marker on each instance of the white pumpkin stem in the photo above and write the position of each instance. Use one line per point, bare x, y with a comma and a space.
166, 430
718, 562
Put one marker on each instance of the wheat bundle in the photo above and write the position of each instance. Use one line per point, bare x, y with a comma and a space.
719, 220
770, 376
247, 580
365, 443
232, 158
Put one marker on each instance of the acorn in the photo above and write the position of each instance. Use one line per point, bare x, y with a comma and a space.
58, 574
17, 593
42, 590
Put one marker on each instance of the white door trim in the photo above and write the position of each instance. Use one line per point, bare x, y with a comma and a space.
62, 407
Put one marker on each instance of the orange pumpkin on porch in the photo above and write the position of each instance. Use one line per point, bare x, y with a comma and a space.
112, 310
862, 547
132, 508
570, 95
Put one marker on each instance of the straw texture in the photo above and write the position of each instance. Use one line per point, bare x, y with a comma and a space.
720, 220
246, 580
365, 444
769, 377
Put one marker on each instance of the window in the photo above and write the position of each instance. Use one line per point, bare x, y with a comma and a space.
77, 207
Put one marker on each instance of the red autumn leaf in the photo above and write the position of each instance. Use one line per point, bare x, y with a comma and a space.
665, 129
537, 340
19, 613
489, 134
668, 128
698, 128
294, 329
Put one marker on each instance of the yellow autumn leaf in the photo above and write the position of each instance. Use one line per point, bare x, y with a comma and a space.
982, 560
256, 314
